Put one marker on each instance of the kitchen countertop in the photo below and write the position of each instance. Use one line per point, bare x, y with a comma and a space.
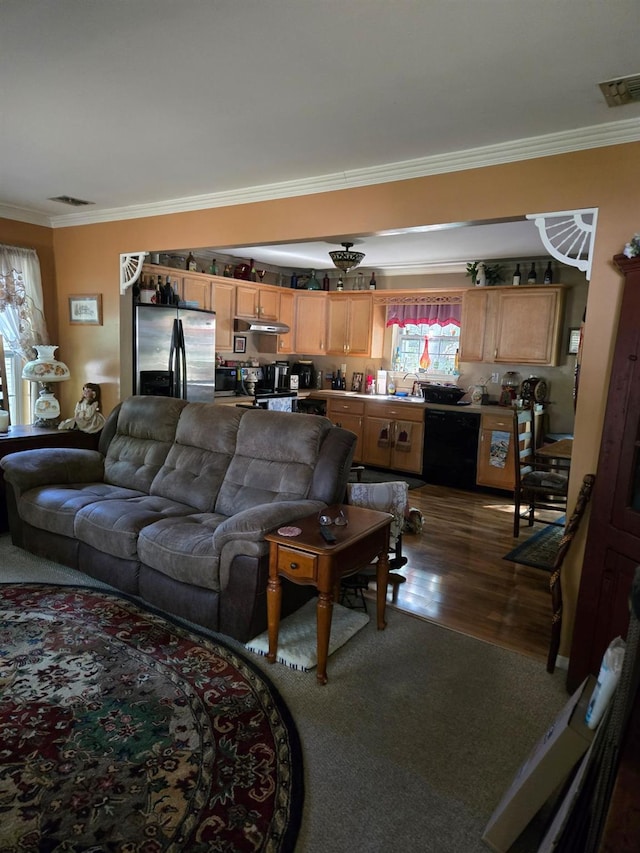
317, 394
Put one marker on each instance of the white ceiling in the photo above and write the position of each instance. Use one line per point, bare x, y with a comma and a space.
151, 106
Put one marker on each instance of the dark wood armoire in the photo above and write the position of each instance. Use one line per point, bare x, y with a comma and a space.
612, 549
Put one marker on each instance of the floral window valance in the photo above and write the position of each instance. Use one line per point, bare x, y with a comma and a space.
442, 313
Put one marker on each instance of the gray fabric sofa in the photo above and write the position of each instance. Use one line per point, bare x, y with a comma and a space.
174, 506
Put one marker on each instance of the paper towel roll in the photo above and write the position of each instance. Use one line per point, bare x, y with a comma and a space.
381, 382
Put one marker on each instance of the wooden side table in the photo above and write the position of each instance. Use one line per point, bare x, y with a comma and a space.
308, 559
29, 437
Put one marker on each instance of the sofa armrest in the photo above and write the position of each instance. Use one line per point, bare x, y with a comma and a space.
252, 524
28, 469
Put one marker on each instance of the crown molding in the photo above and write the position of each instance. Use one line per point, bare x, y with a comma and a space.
22, 214
563, 142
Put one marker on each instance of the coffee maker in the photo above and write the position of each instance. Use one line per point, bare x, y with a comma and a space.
305, 373
276, 377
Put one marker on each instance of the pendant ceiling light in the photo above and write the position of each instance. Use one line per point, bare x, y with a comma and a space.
344, 259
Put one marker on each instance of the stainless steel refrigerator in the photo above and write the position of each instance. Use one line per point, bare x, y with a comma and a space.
174, 352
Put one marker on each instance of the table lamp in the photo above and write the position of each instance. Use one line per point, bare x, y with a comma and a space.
46, 370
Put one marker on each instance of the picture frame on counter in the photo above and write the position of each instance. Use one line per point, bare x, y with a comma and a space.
239, 343
85, 309
356, 382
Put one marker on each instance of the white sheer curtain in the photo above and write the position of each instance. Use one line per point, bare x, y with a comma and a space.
22, 322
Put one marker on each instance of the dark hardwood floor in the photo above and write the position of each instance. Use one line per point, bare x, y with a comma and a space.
457, 577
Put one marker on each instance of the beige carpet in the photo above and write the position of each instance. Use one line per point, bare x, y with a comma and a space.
412, 743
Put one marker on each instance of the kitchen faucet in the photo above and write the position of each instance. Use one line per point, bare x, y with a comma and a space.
415, 384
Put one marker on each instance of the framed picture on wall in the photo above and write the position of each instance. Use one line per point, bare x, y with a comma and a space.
86, 309
239, 343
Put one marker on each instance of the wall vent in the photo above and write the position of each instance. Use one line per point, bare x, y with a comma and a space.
624, 90
74, 202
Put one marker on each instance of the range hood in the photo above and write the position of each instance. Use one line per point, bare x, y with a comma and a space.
264, 327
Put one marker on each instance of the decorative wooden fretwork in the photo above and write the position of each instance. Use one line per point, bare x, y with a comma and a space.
130, 269
569, 235
390, 297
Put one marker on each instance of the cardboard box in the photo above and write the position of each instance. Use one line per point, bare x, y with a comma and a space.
548, 766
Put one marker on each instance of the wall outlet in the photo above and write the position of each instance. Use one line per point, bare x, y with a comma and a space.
495, 377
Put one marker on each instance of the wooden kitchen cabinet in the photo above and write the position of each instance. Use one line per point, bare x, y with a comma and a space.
197, 289
354, 325
512, 325
348, 413
224, 304
393, 436
257, 301
496, 428
281, 344
310, 336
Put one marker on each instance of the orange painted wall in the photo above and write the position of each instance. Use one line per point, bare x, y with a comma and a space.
87, 261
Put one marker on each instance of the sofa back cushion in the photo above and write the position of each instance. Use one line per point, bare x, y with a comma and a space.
198, 460
276, 453
144, 434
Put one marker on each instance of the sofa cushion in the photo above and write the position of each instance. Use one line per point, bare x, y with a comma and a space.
198, 460
113, 526
276, 453
54, 508
183, 549
144, 435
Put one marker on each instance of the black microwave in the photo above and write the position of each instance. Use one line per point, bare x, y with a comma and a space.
226, 381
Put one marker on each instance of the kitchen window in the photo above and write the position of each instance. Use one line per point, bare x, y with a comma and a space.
426, 337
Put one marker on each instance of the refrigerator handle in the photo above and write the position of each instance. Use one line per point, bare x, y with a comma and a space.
173, 360
182, 355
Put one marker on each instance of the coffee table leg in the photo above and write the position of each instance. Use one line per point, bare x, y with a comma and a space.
274, 600
382, 579
324, 612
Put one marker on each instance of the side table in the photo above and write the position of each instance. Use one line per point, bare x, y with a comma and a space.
29, 437
308, 559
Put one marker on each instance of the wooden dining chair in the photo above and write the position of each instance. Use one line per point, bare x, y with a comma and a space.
4, 388
539, 485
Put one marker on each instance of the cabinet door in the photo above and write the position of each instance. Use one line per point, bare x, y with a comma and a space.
340, 415
311, 323
197, 289
408, 442
528, 325
473, 325
338, 324
268, 303
494, 471
360, 323
224, 304
286, 314
377, 438
247, 300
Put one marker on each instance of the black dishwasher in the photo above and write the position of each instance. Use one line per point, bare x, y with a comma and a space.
450, 447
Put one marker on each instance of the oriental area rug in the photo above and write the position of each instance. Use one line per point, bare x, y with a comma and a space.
539, 551
120, 730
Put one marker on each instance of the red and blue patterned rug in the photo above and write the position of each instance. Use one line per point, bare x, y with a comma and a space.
121, 731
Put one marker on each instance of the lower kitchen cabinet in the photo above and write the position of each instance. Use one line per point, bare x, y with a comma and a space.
393, 436
348, 414
494, 469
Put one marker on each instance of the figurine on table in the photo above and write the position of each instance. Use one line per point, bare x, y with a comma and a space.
87, 416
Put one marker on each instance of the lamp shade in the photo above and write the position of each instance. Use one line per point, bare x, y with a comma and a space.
46, 367
344, 259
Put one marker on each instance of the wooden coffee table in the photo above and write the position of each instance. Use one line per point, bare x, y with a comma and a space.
308, 559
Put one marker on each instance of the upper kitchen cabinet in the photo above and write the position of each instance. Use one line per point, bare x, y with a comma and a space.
257, 301
281, 344
355, 325
224, 304
310, 337
512, 325
197, 290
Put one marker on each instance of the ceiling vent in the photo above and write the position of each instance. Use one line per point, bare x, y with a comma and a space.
74, 202
624, 90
